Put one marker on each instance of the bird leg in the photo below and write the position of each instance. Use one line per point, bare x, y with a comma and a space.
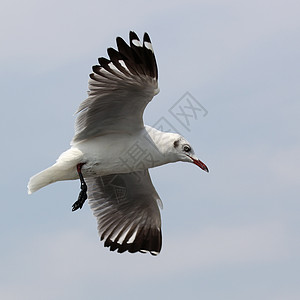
83, 189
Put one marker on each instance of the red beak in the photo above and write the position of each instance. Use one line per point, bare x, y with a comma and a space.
200, 164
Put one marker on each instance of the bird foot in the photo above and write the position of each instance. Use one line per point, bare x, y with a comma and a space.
81, 199
82, 195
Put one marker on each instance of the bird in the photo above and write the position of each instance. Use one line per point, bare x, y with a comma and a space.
112, 150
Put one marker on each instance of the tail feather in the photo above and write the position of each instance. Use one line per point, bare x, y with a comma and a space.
42, 179
63, 169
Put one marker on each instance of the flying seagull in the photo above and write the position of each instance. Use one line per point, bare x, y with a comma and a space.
112, 150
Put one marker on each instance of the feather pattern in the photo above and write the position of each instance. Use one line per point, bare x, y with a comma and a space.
127, 210
119, 90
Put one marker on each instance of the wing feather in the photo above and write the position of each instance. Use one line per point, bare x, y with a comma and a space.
119, 90
127, 212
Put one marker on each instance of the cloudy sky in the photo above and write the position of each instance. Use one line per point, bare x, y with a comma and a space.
230, 234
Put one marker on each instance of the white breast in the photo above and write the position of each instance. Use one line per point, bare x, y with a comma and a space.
123, 153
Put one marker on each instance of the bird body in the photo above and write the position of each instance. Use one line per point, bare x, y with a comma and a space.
112, 150
109, 152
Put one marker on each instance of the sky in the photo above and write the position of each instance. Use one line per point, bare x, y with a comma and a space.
230, 234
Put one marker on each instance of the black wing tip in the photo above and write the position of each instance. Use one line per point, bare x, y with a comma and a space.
147, 38
93, 75
96, 69
133, 36
130, 248
138, 56
120, 42
149, 243
114, 54
103, 61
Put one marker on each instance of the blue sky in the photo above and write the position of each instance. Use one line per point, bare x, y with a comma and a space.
230, 234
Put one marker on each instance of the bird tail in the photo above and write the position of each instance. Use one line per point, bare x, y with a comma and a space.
43, 178
63, 169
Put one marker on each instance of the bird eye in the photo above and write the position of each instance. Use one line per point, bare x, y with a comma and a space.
186, 148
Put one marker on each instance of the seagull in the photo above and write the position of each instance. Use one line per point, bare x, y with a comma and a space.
112, 150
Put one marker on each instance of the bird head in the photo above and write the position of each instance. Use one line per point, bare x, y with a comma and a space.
185, 152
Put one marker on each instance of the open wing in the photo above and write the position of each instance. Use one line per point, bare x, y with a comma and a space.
127, 212
119, 90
